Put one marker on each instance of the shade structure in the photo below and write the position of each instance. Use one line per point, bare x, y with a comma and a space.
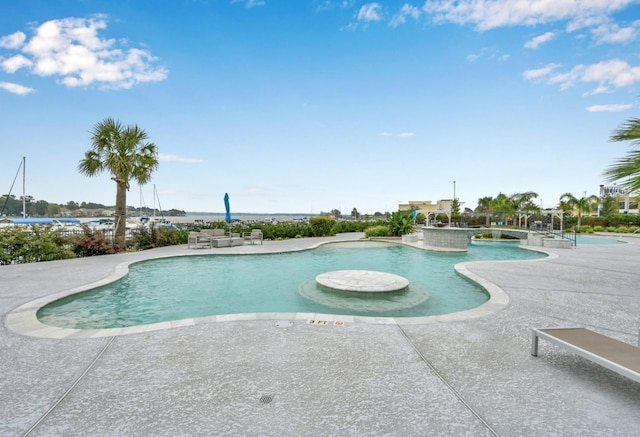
227, 208
414, 213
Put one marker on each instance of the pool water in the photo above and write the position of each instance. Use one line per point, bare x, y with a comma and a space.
205, 285
592, 239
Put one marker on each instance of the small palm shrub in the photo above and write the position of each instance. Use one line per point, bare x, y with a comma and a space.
401, 223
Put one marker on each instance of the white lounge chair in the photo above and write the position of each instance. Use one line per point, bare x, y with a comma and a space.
608, 352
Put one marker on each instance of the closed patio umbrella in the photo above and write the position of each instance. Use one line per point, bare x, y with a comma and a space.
227, 215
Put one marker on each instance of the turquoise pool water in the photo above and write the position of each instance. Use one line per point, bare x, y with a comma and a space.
592, 239
204, 285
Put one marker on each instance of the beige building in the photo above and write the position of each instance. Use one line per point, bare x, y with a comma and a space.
427, 207
627, 202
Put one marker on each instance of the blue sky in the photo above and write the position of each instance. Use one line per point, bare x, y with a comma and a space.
306, 106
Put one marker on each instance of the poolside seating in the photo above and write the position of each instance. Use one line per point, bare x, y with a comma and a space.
234, 240
608, 352
198, 239
214, 233
254, 235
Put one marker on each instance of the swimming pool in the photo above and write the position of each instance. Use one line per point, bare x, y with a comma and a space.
203, 285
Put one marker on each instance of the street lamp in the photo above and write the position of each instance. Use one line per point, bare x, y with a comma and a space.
454, 190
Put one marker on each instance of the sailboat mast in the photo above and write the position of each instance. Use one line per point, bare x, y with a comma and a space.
24, 193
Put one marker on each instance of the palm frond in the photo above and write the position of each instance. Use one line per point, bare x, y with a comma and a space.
629, 131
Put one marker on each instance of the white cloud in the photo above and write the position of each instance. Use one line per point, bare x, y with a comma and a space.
535, 42
609, 108
254, 3
489, 53
614, 34
402, 134
473, 57
369, 12
490, 14
249, 3
176, 158
14, 63
606, 75
539, 72
407, 10
13, 41
71, 49
15, 88
326, 5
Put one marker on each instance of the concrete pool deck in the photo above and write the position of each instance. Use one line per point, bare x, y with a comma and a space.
262, 377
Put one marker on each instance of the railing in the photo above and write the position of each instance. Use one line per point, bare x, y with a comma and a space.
554, 230
108, 233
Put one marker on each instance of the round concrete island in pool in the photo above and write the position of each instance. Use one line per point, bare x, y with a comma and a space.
362, 281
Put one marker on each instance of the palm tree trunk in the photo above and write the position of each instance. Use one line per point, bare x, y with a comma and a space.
121, 215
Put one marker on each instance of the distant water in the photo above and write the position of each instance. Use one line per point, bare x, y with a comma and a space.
219, 217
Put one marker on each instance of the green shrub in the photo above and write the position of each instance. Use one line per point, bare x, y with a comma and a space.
322, 226
377, 231
598, 228
611, 229
615, 220
170, 237
93, 243
24, 245
143, 238
342, 227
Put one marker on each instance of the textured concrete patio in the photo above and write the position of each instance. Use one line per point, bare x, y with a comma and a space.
456, 376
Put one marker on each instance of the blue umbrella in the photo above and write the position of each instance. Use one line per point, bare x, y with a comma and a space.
227, 216
414, 214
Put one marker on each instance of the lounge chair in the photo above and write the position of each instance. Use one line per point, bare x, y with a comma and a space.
608, 352
254, 235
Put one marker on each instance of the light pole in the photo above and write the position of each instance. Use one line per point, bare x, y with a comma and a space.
454, 190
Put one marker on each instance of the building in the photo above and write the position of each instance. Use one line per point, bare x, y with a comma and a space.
627, 202
427, 207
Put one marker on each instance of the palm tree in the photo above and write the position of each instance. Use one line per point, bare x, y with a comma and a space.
484, 207
609, 205
502, 205
583, 204
523, 202
125, 153
627, 169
